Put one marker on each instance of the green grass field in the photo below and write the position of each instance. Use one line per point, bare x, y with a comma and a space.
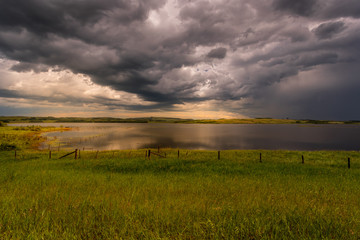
124, 195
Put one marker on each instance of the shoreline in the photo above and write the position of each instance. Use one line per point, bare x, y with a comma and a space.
35, 120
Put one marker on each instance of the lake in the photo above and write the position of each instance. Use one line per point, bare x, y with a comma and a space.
113, 136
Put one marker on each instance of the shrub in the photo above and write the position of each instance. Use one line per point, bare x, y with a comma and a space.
7, 146
28, 128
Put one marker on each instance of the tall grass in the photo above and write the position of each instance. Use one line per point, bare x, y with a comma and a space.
20, 138
123, 195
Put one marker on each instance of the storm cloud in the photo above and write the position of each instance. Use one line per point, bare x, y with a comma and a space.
327, 30
300, 7
275, 58
217, 53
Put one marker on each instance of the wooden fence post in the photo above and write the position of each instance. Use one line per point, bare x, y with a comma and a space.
96, 153
149, 153
50, 154
76, 153
79, 154
157, 154
178, 153
218, 155
348, 162
260, 158
68, 154
302, 159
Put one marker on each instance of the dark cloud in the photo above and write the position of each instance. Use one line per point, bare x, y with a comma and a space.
336, 9
319, 9
76, 101
326, 98
328, 30
56, 98
217, 53
171, 55
299, 7
68, 17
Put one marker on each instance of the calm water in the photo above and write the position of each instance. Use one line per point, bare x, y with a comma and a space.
111, 136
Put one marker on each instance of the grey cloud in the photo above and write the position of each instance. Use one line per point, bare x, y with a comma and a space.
299, 7
217, 53
9, 93
55, 99
333, 95
303, 61
336, 9
328, 30
26, 67
297, 33
115, 43
73, 101
319, 9
64, 17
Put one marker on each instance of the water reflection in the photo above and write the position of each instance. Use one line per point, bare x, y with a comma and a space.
111, 136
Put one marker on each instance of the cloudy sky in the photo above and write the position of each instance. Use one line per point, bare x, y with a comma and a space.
181, 58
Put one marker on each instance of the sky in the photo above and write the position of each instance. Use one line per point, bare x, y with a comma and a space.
180, 58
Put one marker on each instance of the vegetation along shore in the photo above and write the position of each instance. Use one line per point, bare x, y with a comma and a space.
175, 194
19, 119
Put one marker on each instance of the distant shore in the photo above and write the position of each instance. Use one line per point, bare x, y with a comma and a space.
20, 119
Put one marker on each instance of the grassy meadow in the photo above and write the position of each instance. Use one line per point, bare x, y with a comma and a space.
125, 195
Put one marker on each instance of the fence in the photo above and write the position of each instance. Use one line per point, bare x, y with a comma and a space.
179, 154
